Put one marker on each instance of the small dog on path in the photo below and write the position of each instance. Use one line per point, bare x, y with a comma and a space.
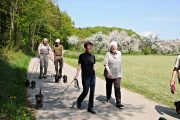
33, 84
65, 78
27, 83
57, 78
39, 100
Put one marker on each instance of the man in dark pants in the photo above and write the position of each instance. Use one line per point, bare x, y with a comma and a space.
58, 57
86, 62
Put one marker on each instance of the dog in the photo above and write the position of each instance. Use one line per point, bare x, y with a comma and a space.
27, 83
57, 78
177, 104
39, 100
33, 84
65, 78
162, 118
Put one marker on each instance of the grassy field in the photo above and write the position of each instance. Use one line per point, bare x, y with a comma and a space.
148, 75
13, 71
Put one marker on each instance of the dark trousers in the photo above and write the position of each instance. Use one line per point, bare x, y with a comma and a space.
117, 89
57, 59
88, 82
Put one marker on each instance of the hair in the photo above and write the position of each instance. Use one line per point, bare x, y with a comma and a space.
113, 43
45, 39
87, 43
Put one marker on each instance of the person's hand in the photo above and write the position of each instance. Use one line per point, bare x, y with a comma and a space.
61, 57
76, 77
172, 82
110, 75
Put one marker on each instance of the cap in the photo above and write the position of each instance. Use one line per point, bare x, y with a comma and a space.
57, 40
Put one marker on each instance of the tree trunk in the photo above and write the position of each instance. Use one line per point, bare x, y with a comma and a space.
12, 23
33, 32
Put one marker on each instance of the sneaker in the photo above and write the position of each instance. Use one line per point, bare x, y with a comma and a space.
119, 106
91, 110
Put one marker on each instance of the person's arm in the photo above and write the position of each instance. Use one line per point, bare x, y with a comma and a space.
77, 72
173, 76
108, 70
62, 54
39, 52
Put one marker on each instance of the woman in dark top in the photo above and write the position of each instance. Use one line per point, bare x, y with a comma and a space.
86, 63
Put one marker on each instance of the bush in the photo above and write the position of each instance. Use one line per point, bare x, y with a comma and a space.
146, 50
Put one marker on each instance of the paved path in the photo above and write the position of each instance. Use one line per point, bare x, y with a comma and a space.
136, 106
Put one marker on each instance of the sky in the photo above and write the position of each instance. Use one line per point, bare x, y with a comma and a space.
160, 17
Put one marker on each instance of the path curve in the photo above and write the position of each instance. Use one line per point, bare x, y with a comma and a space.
137, 107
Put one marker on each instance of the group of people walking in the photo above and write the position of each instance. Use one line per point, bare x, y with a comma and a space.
56, 53
86, 63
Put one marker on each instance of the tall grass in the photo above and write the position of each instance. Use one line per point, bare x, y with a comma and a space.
148, 75
13, 71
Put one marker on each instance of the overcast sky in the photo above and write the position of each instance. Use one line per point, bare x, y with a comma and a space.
142, 16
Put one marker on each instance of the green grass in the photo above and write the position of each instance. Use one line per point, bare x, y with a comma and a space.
148, 75
13, 71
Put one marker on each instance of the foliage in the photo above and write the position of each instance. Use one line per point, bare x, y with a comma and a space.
25, 22
146, 50
12, 90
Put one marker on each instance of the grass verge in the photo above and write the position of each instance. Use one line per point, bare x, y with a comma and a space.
13, 71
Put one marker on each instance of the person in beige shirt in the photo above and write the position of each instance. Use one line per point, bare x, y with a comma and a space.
113, 73
58, 51
44, 52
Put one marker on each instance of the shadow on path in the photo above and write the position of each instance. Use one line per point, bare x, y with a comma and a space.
165, 110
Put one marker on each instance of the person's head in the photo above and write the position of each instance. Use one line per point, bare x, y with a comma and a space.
113, 47
57, 41
88, 46
45, 40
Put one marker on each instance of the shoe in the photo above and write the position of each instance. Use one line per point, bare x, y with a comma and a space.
45, 76
40, 77
119, 106
108, 101
78, 105
91, 110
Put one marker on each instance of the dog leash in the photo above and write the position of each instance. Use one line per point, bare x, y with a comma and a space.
62, 93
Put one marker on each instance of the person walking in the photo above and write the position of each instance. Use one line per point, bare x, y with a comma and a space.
86, 64
58, 51
44, 52
113, 73
175, 71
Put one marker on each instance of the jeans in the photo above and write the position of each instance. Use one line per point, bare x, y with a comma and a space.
117, 89
88, 82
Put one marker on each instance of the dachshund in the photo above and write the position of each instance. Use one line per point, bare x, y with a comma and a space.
27, 83
33, 84
39, 100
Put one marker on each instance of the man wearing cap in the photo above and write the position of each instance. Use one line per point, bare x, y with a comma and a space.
86, 63
58, 57
44, 51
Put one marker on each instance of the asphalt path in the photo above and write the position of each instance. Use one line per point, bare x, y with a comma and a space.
137, 107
